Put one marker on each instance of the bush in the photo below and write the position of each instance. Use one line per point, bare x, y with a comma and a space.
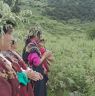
26, 13
91, 33
4, 9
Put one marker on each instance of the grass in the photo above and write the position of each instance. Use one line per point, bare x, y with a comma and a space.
74, 53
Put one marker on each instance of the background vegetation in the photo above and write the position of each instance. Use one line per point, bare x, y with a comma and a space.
69, 29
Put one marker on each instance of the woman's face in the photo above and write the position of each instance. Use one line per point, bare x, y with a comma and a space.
5, 42
14, 46
10, 30
41, 44
35, 39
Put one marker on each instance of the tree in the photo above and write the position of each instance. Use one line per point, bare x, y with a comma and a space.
16, 7
10, 2
69, 9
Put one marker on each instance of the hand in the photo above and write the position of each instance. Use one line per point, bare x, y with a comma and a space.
50, 58
35, 76
41, 77
47, 54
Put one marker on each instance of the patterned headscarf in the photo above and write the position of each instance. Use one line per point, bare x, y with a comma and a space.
34, 32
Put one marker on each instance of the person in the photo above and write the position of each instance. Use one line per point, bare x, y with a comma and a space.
19, 66
8, 75
35, 60
46, 62
33, 36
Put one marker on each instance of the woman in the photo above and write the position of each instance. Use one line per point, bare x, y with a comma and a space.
12, 89
16, 65
35, 60
6, 36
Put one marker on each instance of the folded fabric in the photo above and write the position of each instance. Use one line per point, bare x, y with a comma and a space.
23, 78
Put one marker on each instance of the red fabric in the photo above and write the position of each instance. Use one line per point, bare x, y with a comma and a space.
22, 64
30, 90
45, 63
12, 82
24, 90
42, 50
15, 86
18, 89
5, 88
20, 60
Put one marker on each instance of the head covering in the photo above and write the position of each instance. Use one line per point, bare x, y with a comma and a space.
7, 27
35, 31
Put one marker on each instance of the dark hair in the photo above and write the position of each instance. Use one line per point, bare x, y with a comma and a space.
6, 28
28, 40
39, 34
42, 40
11, 22
13, 42
1, 15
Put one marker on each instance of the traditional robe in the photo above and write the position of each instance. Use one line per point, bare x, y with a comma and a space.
18, 65
5, 87
11, 87
34, 59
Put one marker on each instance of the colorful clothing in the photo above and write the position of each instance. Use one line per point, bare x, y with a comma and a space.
45, 63
11, 87
34, 59
18, 64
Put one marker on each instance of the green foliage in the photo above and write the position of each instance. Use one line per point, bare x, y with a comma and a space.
70, 9
91, 34
10, 2
4, 9
26, 13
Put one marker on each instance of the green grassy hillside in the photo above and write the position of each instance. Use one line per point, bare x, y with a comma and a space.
72, 44
74, 65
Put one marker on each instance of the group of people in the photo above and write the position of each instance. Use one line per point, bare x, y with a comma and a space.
25, 75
